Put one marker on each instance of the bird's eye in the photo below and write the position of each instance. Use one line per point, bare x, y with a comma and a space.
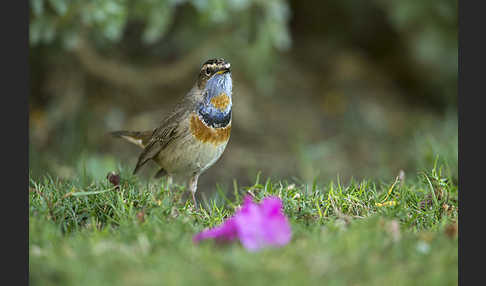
208, 71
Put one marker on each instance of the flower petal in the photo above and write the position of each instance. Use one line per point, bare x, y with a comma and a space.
225, 232
248, 223
276, 229
262, 225
256, 226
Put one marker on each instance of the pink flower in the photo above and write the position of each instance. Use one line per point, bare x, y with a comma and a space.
256, 226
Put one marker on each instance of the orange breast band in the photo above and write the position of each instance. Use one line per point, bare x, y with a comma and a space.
207, 134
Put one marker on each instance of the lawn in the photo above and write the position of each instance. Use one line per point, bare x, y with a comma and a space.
397, 232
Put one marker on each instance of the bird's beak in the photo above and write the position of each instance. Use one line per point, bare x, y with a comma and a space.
223, 71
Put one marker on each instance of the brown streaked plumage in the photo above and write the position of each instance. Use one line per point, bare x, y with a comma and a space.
195, 133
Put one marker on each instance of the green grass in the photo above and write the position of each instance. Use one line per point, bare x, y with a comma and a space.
84, 232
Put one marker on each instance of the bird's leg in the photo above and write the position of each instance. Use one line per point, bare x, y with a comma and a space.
193, 187
169, 180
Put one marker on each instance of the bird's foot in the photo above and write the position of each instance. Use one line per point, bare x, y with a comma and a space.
194, 200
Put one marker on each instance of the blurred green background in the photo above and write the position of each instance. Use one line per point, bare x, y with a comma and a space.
321, 88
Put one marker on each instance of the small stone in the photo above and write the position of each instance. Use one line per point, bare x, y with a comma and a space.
114, 179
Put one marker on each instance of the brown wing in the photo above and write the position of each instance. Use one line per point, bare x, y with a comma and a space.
169, 130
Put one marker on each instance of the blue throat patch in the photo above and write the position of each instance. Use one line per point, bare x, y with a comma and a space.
212, 116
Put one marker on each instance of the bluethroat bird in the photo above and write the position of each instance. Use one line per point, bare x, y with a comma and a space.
192, 137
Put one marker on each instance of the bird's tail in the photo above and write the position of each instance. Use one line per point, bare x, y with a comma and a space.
136, 137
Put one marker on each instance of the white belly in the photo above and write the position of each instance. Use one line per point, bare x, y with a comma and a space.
189, 156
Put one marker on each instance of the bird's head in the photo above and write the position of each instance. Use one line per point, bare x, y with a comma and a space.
214, 69
216, 86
